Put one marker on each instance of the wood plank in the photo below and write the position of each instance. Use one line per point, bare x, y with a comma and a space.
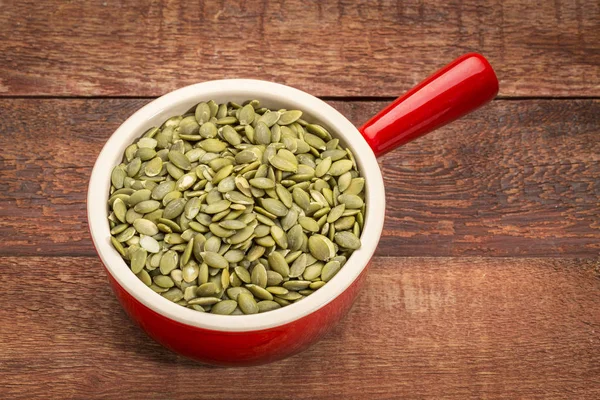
342, 48
441, 328
515, 178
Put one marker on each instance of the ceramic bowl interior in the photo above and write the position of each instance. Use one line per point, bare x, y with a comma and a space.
271, 95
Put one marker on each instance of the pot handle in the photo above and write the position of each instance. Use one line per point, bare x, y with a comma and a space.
462, 86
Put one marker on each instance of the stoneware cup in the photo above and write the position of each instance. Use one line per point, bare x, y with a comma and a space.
460, 87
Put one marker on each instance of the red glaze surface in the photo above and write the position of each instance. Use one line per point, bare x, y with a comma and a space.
239, 348
462, 86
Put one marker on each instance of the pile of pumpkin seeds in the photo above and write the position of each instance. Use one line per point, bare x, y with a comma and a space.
236, 209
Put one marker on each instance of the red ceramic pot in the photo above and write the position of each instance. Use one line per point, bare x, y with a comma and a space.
455, 90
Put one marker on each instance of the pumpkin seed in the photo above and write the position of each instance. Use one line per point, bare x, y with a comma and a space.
119, 228
350, 200
234, 292
204, 301
180, 160
163, 281
214, 260
262, 183
145, 227
289, 117
329, 270
149, 244
208, 289
298, 266
267, 305
118, 246
278, 264
309, 224
259, 292
168, 262
247, 303
347, 240
296, 285
138, 260
224, 307
259, 275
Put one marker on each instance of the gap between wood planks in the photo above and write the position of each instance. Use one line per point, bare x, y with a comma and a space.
324, 98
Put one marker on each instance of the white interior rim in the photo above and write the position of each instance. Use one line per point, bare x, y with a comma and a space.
182, 99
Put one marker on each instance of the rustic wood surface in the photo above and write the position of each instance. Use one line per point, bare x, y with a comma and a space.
486, 282
441, 328
330, 48
514, 178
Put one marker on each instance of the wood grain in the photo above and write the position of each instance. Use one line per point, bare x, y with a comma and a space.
440, 328
341, 48
515, 178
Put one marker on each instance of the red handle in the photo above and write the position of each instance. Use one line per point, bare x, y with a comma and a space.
460, 87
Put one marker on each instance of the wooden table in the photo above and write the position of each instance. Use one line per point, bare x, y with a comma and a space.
487, 280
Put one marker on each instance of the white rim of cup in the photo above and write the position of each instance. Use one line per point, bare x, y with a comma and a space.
272, 95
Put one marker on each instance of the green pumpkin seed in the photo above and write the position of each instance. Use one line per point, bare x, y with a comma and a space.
227, 121
138, 260
247, 303
163, 281
340, 167
289, 117
224, 307
147, 206
312, 272
329, 271
259, 275
290, 296
202, 113
259, 292
145, 277
246, 116
126, 234
149, 244
347, 240
168, 262
267, 305
204, 301
277, 290
295, 238
180, 160
208, 289
118, 246
133, 168
356, 186
321, 247
296, 285
214, 260
119, 228
323, 167
351, 200
270, 118
309, 224
278, 264
317, 285
163, 188
118, 177
298, 266
120, 209
139, 196
335, 213
174, 208
217, 207
262, 183
145, 227
283, 164
173, 294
